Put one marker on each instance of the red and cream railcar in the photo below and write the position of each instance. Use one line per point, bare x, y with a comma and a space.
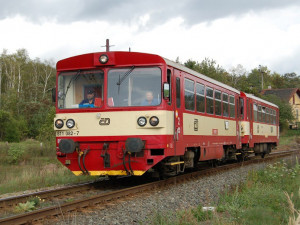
259, 125
121, 113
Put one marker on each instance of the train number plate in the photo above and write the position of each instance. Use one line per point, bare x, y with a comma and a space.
67, 133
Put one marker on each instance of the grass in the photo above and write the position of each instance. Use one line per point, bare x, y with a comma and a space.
289, 138
32, 166
268, 197
262, 199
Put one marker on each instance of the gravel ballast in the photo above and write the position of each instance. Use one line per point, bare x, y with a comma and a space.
141, 209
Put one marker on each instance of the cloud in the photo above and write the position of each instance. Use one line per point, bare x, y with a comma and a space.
128, 11
252, 34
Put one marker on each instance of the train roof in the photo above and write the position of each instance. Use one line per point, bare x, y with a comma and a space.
260, 100
183, 68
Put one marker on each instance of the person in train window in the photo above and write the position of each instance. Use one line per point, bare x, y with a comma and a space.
90, 98
149, 99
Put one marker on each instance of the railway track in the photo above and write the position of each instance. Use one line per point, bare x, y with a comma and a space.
110, 196
63, 191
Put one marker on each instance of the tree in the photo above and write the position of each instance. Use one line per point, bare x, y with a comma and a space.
210, 68
24, 92
237, 73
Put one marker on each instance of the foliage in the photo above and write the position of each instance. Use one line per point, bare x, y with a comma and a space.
262, 199
25, 96
46, 132
25, 207
209, 68
15, 153
30, 205
201, 215
11, 130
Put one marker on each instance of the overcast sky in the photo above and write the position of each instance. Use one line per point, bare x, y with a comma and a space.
232, 32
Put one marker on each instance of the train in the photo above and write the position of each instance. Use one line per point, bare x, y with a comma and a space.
130, 113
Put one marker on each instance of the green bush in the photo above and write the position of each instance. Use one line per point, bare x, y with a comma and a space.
46, 131
11, 129
15, 153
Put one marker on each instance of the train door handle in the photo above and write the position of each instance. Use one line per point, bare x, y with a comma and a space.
177, 133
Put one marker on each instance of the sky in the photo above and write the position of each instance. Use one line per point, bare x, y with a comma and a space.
231, 32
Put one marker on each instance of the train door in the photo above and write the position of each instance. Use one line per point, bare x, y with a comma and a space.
178, 113
238, 124
250, 122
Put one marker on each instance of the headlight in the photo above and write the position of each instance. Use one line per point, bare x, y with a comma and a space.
103, 59
154, 121
142, 121
59, 123
70, 123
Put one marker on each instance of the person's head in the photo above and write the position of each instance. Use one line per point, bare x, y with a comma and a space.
90, 94
149, 96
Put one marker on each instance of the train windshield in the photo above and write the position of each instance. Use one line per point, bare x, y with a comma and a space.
134, 87
80, 89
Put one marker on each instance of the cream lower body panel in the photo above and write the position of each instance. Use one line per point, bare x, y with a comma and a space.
266, 130
205, 125
119, 123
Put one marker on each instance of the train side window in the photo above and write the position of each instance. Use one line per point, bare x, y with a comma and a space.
169, 82
178, 102
255, 112
241, 108
225, 105
189, 94
232, 106
267, 115
263, 114
250, 111
271, 116
200, 98
259, 114
209, 100
218, 109
274, 117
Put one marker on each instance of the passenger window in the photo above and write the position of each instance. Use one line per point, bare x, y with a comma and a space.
241, 108
263, 114
232, 106
250, 111
209, 100
178, 102
169, 82
225, 105
255, 112
259, 113
200, 98
189, 94
218, 109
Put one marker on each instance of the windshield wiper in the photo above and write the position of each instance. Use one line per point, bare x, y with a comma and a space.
121, 79
72, 79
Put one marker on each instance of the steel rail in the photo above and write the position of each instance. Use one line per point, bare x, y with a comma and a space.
113, 195
11, 201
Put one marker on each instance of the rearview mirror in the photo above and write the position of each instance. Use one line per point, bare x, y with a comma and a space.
166, 90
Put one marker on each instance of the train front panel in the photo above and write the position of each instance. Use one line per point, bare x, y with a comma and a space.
113, 116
